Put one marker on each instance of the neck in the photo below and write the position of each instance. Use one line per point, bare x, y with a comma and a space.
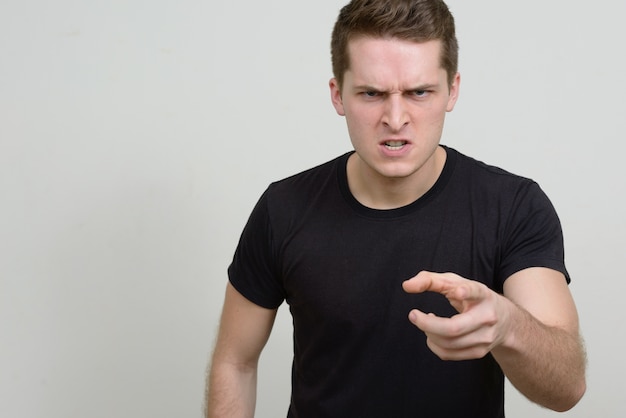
375, 191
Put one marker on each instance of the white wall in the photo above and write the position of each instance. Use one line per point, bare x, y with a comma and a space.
136, 136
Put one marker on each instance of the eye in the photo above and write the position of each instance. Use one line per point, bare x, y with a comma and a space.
420, 93
371, 93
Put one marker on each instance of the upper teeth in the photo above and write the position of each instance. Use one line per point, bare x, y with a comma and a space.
394, 144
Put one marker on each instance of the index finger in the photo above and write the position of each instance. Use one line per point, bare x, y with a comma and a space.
451, 285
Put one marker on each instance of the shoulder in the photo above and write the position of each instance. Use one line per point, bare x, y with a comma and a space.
286, 202
509, 198
468, 165
321, 171
516, 210
307, 183
489, 181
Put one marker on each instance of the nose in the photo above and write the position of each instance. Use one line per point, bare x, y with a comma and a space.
396, 114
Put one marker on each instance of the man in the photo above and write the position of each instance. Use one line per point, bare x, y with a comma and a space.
402, 226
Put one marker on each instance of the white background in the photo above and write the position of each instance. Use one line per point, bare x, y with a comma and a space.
136, 136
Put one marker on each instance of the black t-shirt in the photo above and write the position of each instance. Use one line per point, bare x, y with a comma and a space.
340, 266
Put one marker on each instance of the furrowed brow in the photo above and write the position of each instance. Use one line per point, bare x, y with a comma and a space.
424, 87
365, 87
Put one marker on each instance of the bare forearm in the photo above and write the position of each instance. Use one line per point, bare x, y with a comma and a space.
231, 391
244, 330
547, 364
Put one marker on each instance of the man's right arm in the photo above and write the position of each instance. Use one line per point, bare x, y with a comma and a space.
244, 330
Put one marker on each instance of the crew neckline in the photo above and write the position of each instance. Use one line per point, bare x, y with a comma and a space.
442, 180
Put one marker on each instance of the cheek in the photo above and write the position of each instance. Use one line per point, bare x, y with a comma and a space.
354, 130
434, 116
435, 124
360, 127
361, 116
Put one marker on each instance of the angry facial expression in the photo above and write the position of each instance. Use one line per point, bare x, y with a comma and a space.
394, 97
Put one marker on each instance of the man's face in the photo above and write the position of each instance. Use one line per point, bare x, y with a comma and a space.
395, 96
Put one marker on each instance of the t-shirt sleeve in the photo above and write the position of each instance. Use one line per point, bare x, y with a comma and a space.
253, 270
533, 236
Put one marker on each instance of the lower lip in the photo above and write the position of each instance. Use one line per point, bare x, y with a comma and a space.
395, 151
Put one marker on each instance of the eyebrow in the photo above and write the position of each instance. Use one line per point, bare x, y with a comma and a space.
365, 87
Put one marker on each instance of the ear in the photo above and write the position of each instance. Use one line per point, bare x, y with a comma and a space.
335, 96
454, 92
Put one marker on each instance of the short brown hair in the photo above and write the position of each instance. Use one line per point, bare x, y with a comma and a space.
412, 20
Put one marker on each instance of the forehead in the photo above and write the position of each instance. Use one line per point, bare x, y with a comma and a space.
385, 60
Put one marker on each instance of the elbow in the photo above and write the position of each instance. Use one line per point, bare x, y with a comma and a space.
576, 387
578, 395
572, 399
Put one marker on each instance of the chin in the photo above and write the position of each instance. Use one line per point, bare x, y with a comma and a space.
397, 172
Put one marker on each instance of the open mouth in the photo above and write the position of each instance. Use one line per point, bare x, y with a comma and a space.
394, 145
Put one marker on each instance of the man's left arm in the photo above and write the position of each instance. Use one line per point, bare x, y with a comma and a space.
543, 355
532, 331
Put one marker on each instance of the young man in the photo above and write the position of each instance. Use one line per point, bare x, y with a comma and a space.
402, 226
